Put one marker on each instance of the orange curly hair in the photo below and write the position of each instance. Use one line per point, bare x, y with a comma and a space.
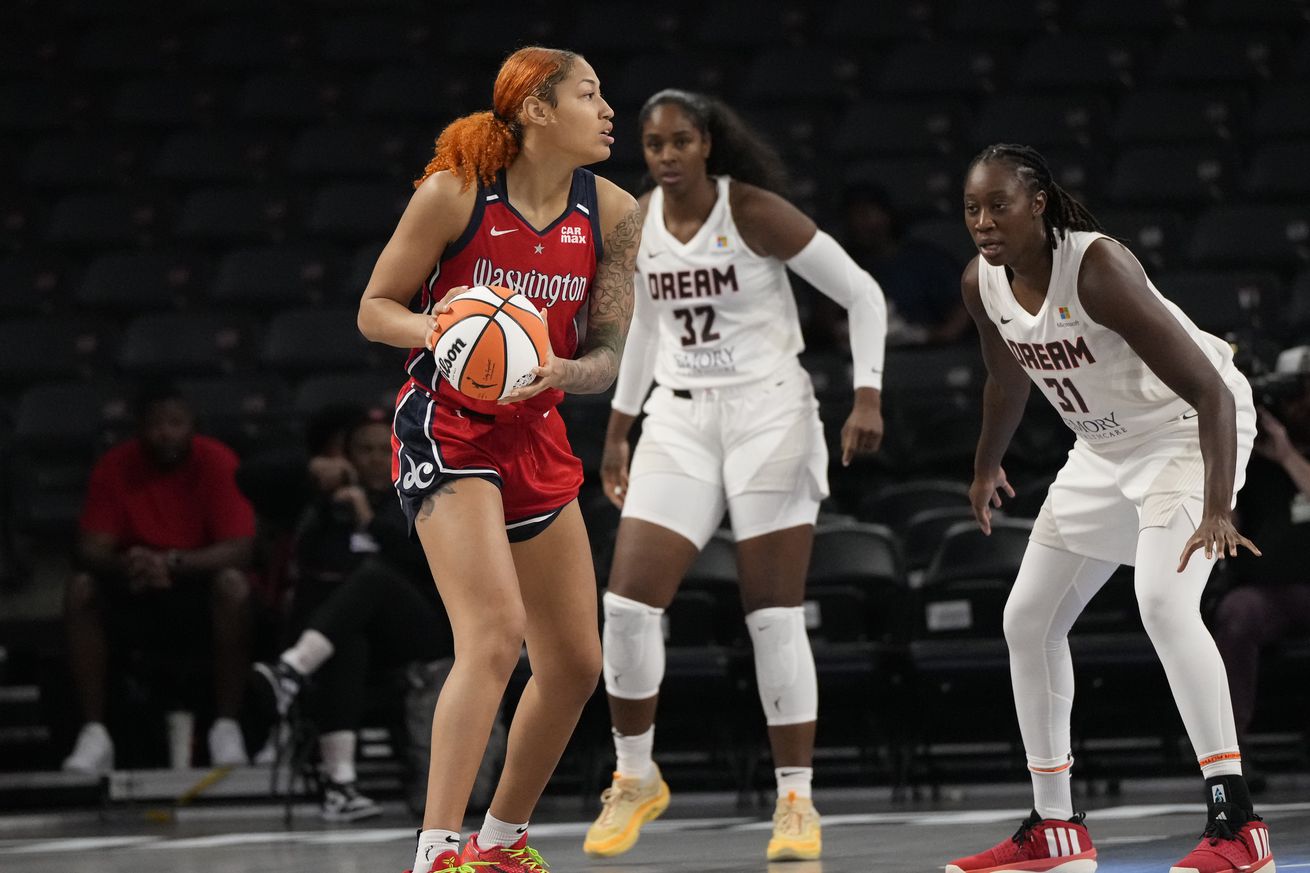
478, 146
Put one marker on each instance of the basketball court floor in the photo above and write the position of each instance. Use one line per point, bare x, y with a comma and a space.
1143, 829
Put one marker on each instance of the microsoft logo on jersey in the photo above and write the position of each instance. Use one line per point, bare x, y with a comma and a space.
1066, 319
1064, 313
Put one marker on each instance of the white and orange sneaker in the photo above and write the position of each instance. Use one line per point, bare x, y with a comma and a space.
1225, 850
1040, 845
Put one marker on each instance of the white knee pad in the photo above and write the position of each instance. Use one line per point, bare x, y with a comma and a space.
784, 665
633, 648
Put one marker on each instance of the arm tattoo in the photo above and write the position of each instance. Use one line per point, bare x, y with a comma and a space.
609, 311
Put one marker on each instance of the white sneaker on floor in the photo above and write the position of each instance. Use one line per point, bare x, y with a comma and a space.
342, 802
93, 752
227, 748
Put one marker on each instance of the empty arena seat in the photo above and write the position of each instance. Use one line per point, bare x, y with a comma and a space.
358, 211
345, 150
895, 505
67, 163
249, 44
374, 39
293, 97
1127, 16
939, 68
1175, 115
1172, 176
854, 22
185, 343
1222, 301
1158, 238
138, 281
31, 283
1043, 121
875, 126
966, 552
1007, 18
167, 102
1279, 111
1280, 171
1217, 56
106, 219
212, 157
243, 410
229, 215
919, 185
742, 24
272, 277
1077, 62
71, 418
302, 340
43, 348
1252, 235
815, 76
375, 388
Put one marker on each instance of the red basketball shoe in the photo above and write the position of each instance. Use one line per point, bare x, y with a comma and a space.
449, 862
1223, 850
1040, 844
518, 858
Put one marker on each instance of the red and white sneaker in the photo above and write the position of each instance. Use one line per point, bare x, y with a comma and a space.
1222, 850
450, 862
1040, 844
518, 858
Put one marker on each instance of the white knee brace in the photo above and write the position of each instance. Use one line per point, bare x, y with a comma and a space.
633, 648
784, 665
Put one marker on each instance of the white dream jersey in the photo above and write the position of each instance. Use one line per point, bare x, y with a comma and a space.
1103, 390
722, 314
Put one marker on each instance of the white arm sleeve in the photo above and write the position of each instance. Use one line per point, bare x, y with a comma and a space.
637, 369
825, 265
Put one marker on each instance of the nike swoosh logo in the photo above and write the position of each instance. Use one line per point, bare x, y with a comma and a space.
454, 840
790, 772
1005, 320
653, 254
498, 232
522, 830
1187, 415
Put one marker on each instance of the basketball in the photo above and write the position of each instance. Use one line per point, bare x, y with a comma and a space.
489, 341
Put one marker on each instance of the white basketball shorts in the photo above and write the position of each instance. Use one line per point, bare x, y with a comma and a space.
1102, 498
756, 450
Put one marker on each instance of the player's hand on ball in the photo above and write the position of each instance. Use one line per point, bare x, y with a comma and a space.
862, 432
431, 331
1217, 536
551, 374
614, 471
985, 492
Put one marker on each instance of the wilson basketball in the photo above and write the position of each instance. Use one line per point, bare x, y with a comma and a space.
489, 341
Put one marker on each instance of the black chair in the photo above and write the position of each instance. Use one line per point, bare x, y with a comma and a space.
309, 340
193, 158
922, 533
166, 102
356, 211
287, 97
966, 552
1220, 56
896, 505
966, 68
1251, 235
72, 420
274, 277
1172, 175
867, 558
243, 411
1278, 114
130, 282
1158, 238
1223, 301
185, 343
1171, 115
1280, 171
1077, 62
1047, 121
43, 348
231, 215
100, 219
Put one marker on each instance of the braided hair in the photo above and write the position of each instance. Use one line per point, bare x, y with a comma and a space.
737, 151
1063, 211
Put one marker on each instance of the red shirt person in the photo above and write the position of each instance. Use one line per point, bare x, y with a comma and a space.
164, 537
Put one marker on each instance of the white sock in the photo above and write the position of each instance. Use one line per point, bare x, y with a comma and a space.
794, 780
432, 843
499, 833
309, 653
338, 752
634, 754
1052, 796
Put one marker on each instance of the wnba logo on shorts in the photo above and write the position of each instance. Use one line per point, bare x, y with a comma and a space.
419, 475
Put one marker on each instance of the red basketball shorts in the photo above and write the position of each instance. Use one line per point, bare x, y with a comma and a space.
525, 453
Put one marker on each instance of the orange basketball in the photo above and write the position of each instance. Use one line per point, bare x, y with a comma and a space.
490, 339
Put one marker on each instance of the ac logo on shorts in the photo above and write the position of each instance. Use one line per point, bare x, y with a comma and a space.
1217, 793
420, 475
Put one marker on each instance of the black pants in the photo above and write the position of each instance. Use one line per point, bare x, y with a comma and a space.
375, 619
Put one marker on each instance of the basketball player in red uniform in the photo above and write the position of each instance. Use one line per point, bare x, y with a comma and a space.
491, 488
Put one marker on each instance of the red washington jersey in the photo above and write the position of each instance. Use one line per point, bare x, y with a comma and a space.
554, 268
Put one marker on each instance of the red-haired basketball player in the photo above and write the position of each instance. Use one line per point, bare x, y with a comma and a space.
732, 424
1164, 425
490, 488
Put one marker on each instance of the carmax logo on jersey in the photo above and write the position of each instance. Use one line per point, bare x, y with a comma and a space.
533, 284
